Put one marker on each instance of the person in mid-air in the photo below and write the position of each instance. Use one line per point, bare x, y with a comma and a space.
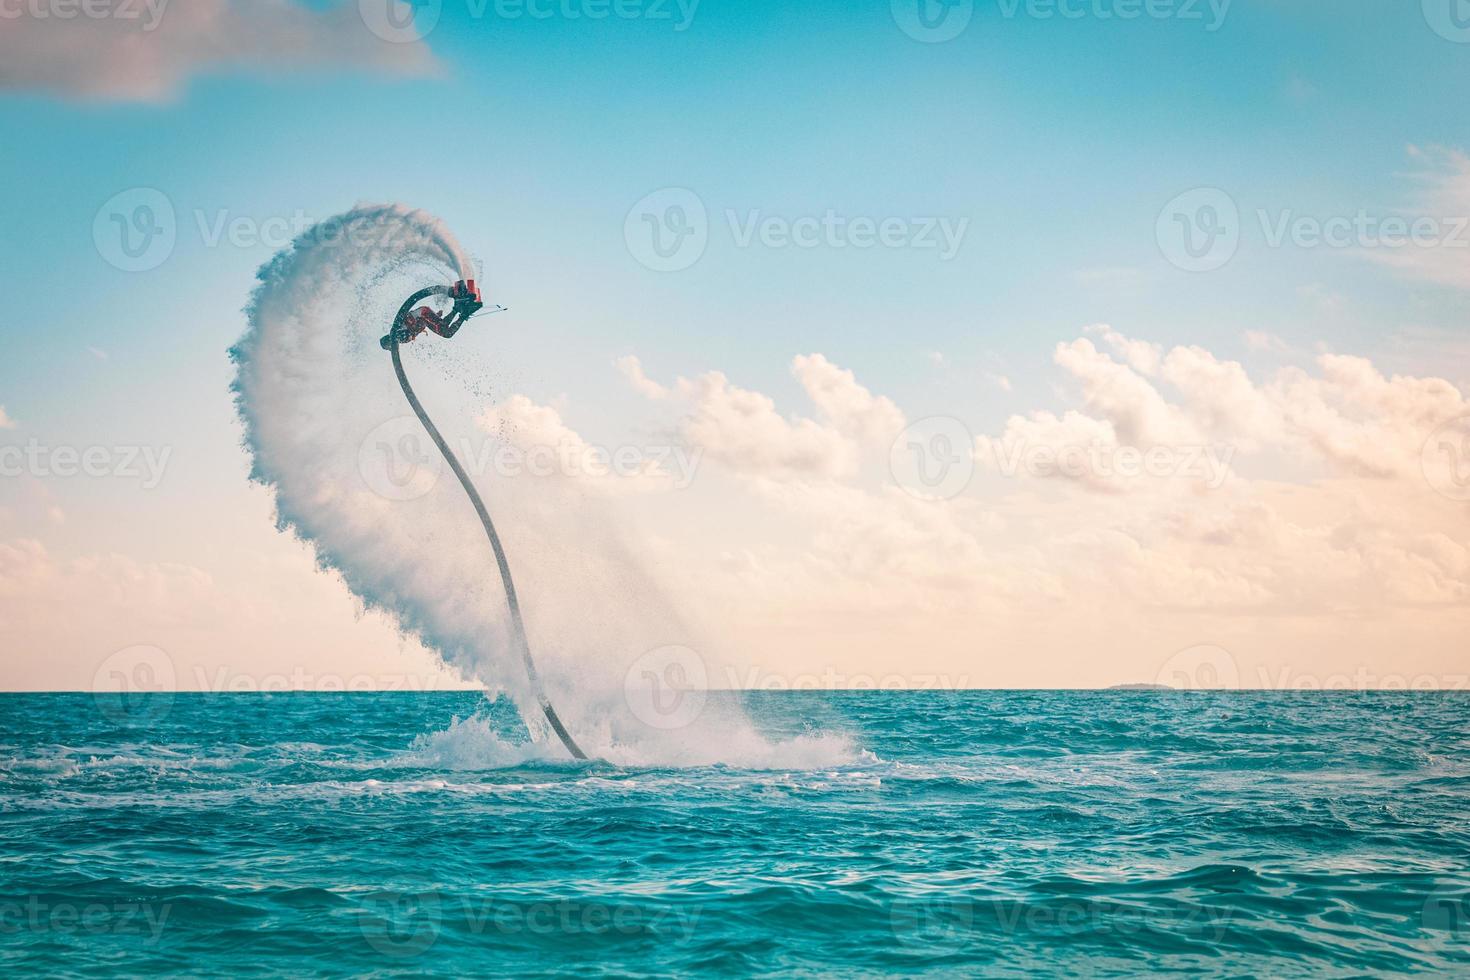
412, 323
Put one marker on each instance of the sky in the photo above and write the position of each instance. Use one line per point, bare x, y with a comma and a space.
1037, 344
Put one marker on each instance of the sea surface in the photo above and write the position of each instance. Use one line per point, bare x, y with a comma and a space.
986, 833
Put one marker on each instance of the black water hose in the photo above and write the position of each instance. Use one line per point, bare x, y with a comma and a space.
518, 626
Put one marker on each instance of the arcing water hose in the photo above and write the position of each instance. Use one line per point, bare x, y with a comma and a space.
402, 332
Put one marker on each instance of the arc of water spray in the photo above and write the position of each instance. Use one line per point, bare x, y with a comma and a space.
518, 626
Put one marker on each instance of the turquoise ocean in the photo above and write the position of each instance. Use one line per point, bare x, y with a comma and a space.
1116, 833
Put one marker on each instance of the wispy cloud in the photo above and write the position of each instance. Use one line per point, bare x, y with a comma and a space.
6, 422
1265, 342
1443, 176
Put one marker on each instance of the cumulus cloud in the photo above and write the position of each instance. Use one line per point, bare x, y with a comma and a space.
148, 50
545, 447
1332, 550
849, 406
1015, 586
632, 369
1361, 421
1140, 355
1118, 393
1036, 445
742, 430
1219, 398
1345, 417
1335, 518
6, 422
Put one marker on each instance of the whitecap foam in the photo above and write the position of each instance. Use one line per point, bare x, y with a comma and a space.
474, 743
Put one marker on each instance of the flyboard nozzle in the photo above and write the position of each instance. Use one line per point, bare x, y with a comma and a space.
466, 296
